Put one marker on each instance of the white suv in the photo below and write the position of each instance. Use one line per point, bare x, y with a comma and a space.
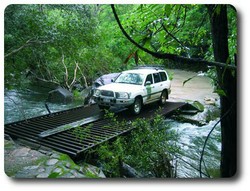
135, 88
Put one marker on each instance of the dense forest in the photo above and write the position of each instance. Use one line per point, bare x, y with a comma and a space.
65, 43
68, 44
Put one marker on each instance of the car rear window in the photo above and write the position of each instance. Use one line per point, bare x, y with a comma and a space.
163, 76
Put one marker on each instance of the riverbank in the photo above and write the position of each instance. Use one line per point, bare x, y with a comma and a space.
24, 162
199, 88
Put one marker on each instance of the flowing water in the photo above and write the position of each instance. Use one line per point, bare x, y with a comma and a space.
25, 104
191, 141
20, 105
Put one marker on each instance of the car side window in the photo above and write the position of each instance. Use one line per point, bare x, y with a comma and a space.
163, 76
149, 78
157, 77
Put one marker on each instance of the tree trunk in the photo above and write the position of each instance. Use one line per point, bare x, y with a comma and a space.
227, 83
227, 76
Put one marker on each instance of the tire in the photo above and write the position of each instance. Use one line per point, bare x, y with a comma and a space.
102, 107
163, 98
136, 107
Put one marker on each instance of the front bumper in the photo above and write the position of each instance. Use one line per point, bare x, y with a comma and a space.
114, 102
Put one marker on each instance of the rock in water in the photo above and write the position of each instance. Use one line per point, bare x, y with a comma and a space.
60, 94
129, 172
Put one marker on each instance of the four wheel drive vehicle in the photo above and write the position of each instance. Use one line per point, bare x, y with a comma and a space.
134, 88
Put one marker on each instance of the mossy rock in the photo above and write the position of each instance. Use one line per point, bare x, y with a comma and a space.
193, 106
198, 106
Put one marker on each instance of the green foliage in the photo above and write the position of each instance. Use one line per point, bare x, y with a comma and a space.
214, 173
54, 175
81, 133
220, 92
77, 95
114, 123
169, 28
90, 174
39, 38
147, 149
109, 156
232, 36
171, 75
198, 106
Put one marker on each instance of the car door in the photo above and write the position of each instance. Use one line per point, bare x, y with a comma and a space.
165, 81
157, 86
148, 88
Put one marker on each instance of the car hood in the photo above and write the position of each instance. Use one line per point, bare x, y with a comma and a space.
119, 87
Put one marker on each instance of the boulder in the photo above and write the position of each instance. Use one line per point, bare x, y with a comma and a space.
60, 94
129, 172
192, 108
210, 101
77, 86
87, 94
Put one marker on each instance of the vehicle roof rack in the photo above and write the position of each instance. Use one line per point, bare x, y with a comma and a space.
156, 67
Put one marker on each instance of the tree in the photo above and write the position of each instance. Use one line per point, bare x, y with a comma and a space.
226, 69
227, 82
60, 44
37, 37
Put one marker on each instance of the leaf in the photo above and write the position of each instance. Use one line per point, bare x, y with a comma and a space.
188, 80
167, 10
198, 105
220, 92
54, 175
147, 43
161, 37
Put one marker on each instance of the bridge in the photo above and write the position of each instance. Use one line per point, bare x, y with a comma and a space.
76, 130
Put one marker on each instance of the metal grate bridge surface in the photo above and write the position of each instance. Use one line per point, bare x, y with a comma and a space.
58, 130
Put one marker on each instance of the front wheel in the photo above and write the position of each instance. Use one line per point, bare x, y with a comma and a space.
163, 98
136, 107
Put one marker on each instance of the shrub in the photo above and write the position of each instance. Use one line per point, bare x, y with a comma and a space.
147, 148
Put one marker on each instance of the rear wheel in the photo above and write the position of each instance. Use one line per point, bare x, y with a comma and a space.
163, 98
136, 107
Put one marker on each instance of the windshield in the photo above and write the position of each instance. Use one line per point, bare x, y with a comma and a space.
130, 78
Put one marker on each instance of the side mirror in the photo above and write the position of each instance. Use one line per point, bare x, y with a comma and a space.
112, 80
148, 83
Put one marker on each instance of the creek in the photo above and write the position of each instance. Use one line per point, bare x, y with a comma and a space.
22, 104
191, 141
28, 103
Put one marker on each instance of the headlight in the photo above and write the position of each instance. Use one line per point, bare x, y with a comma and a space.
97, 93
122, 95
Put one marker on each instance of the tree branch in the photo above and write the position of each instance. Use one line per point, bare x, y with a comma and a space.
210, 132
84, 78
173, 57
170, 34
66, 72
74, 79
18, 49
42, 79
27, 43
